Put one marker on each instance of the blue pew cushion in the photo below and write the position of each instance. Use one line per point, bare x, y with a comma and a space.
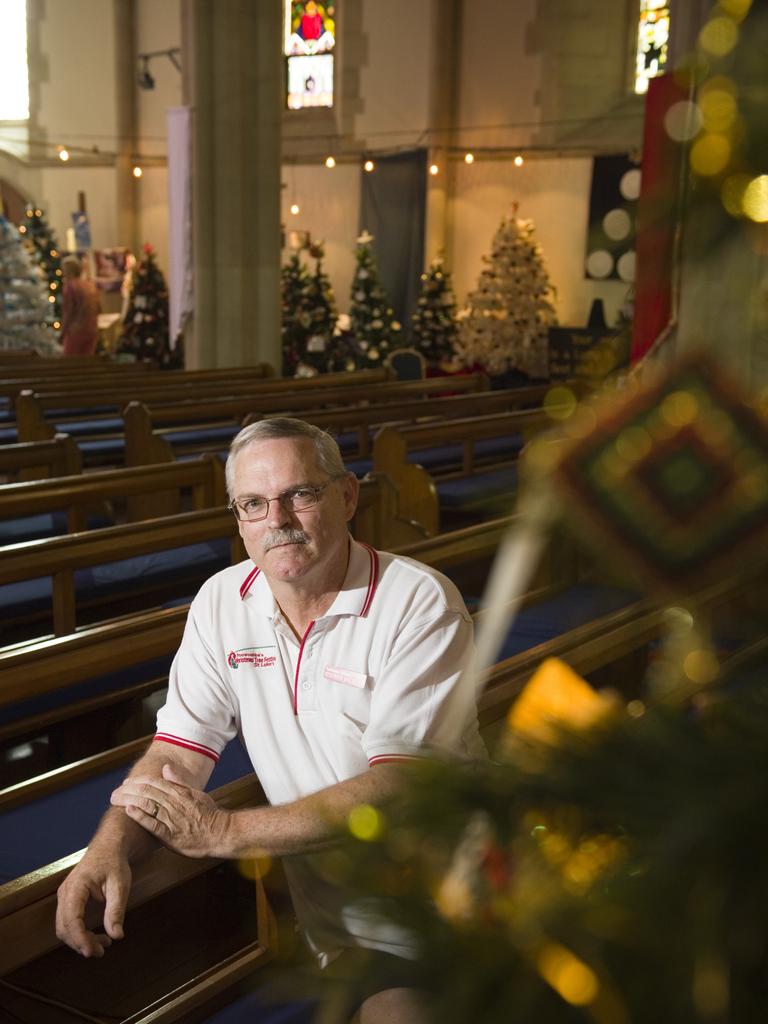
105, 426
48, 524
54, 826
110, 580
480, 491
572, 608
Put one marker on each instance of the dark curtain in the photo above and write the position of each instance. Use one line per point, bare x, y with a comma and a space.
392, 208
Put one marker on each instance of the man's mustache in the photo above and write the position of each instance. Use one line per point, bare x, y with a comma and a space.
287, 536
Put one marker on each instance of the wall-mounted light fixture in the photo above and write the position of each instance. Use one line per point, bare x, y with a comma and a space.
145, 79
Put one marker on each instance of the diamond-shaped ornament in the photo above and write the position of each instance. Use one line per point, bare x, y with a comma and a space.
668, 479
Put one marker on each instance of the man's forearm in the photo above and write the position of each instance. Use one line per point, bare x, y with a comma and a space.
309, 823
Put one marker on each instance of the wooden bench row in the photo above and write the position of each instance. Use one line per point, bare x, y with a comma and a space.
75, 379
27, 904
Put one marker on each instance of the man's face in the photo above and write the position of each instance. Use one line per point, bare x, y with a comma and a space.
294, 546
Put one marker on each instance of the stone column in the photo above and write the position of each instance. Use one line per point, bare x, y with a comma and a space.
444, 88
125, 94
233, 82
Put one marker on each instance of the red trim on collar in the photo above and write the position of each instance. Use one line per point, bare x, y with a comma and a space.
246, 584
177, 741
373, 579
386, 758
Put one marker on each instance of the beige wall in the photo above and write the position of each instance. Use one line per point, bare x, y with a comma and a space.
500, 74
515, 68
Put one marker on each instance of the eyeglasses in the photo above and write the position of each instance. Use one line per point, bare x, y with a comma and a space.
296, 499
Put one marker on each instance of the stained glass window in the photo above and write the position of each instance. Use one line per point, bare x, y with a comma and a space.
652, 42
14, 81
310, 38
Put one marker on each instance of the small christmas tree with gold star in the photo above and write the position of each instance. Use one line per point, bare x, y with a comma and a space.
373, 325
434, 322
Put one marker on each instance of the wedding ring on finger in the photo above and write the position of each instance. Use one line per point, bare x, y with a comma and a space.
153, 813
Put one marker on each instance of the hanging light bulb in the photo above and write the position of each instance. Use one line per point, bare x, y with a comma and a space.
469, 158
330, 162
294, 208
137, 171
368, 165
63, 154
433, 169
518, 161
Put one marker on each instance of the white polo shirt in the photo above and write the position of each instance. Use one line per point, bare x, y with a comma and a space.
377, 678
374, 679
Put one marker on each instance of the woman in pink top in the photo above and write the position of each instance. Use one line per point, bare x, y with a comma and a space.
80, 310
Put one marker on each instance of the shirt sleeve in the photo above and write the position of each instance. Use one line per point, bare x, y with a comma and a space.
424, 700
198, 713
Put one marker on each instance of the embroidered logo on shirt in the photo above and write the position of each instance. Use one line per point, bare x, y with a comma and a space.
345, 675
252, 656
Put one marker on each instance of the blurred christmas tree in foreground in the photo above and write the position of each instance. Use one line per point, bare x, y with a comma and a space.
434, 322
24, 306
45, 250
145, 324
614, 877
608, 866
374, 328
504, 326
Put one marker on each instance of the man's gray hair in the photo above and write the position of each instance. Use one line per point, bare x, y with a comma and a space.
273, 429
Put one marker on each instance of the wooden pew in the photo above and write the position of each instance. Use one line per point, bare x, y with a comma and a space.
144, 442
110, 715
32, 405
393, 444
60, 557
27, 905
33, 460
162, 972
150, 433
68, 375
150, 491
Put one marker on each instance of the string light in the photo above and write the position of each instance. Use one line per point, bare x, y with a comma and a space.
294, 208
137, 171
469, 158
518, 161
330, 162
22, 229
433, 169
368, 165
63, 154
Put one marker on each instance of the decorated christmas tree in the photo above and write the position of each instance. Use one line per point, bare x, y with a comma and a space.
45, 252
24, 305
309, 315
373, 326
434, 322
504, 325
322, 311
296, 319
145, 324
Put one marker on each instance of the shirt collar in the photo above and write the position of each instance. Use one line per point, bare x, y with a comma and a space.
354, 598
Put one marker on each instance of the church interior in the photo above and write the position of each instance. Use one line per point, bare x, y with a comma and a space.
513, 258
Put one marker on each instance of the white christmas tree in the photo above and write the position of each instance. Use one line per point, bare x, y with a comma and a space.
504, 325
23, 298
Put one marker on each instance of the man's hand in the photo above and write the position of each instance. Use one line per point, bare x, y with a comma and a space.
184, 819
105, 879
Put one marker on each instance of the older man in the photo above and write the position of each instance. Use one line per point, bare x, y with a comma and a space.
333, 662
